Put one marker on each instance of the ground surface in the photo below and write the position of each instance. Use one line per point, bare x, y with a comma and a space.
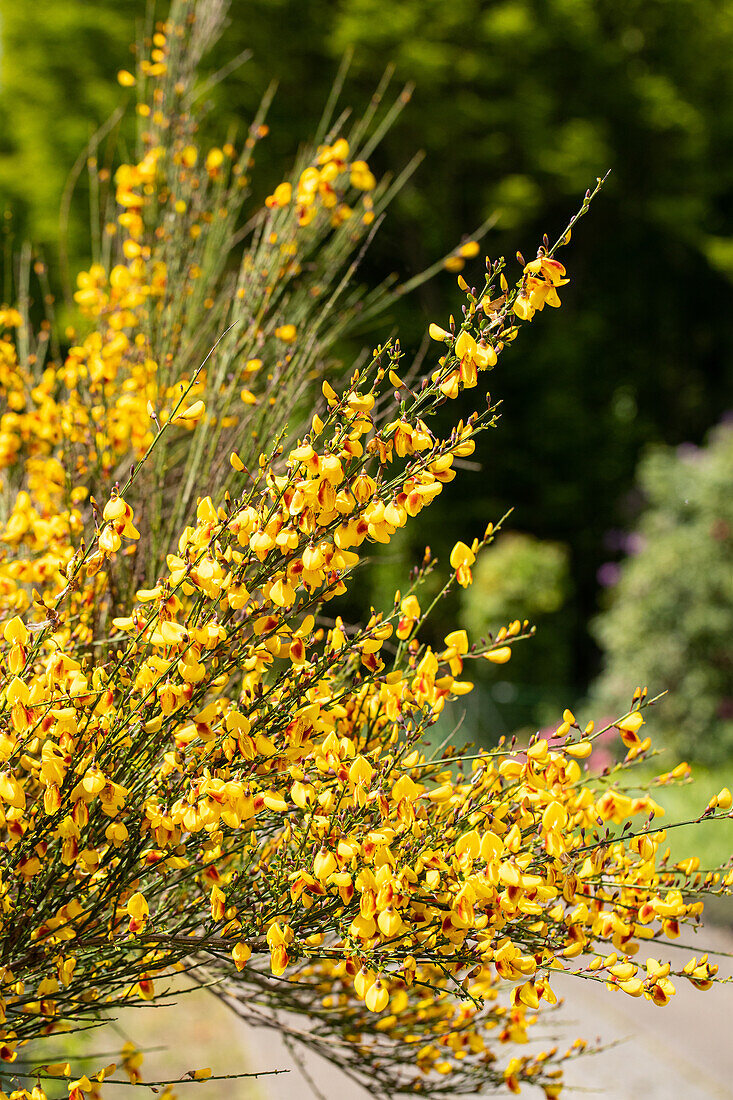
681, 1052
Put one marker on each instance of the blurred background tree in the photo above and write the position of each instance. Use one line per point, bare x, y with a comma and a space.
670, 616
519, 105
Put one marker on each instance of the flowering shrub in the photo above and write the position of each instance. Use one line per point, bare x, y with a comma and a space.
204, 767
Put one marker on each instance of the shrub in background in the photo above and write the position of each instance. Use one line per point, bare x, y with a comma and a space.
525, 578
670, 613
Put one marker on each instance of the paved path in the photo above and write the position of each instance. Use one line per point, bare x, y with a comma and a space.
681, 1052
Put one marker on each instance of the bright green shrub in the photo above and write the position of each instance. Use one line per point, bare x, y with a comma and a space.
522, 578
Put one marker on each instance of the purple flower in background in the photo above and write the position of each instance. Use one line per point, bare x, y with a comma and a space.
608, 574
634, 543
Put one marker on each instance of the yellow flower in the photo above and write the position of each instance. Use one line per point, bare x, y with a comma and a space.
281, 196
461, 559
192, 414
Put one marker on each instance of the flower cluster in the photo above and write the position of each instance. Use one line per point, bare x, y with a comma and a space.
318, 186
203, 765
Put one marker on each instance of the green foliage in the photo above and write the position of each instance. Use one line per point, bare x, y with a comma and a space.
670, 619
55, 91
520, 577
